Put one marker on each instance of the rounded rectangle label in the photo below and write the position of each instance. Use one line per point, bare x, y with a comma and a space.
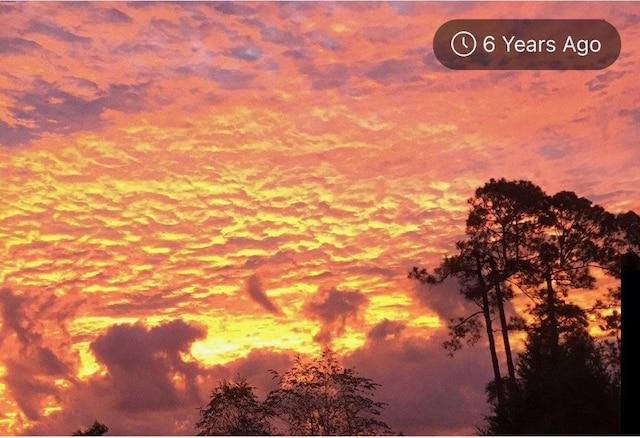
527, 44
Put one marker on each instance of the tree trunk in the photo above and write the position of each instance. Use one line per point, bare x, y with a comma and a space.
486, 311
503, 324
552, 319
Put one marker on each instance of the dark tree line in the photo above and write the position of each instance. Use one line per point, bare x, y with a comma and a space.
96, 429
314, 397
519, 240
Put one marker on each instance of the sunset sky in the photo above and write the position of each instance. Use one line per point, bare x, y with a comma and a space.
193, 190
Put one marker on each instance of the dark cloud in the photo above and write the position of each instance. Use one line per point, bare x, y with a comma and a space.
332, 304
84, 83
555, 144
431, 62
8, 8
13, 316
97, 14
385, 329
29, 387
245, 53
141, 363
323, 40
361, 6
278, 36
24, 316
297, 53
46, 108
380, 34
50, 364
403, 8
16, 46
56, 32
150, 387
51, 109
231, 79
165, 33
270, 66
137, 47
393, 70
427, 392
334, 308
629, 20
32, 365
444, 299
141, 4
125, 97
254, 22
113, 15
297, 10
232, 8
254, 288
327, 76
602, 81
633, 114
554, 151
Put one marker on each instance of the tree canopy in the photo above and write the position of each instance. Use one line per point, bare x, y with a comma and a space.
519, 240
233, 410
320, 397
96, 429
315, 397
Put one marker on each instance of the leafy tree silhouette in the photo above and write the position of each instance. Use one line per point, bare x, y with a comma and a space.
234, 410
96, 429
314, 397
320, 397
629, 231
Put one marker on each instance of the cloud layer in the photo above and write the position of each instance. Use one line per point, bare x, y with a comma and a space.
196, 189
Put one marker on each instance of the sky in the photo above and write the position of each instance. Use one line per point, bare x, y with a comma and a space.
194, 190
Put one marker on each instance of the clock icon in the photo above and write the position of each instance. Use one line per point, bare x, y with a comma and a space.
463, 43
